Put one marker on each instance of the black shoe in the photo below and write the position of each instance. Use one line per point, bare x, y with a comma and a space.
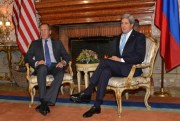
93, 110
47, 109
41, 109
80, 97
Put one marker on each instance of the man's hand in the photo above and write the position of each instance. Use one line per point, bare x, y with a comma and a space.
115, 58
60, 64
41, 62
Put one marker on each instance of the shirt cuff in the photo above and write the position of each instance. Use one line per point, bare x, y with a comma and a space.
65, 63
122, 60
36, 64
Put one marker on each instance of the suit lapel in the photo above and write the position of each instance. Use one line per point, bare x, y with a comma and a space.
40, 46
131, 37
54, 47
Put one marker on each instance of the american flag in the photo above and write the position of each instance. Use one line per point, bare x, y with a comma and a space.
25, 23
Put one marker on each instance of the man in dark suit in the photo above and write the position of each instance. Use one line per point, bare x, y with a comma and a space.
47, 56
130, 49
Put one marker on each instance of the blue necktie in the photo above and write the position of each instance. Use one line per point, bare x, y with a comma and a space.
47, 55
123, 42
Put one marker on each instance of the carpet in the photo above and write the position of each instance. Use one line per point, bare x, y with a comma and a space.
66, 101
14, 107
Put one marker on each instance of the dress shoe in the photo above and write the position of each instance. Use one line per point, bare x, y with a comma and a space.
43, 109
80, 97
92, 111
47, 109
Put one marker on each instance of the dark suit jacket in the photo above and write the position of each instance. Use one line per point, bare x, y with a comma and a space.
36, 53
134, 51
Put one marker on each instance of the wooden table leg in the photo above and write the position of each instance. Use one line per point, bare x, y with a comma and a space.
79, 80
86, 79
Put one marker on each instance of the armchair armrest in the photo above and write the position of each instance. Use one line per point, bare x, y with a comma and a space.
27, 71
143, 65
70, 68
133, 69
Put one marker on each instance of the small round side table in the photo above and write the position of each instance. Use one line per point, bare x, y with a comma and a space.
85, 68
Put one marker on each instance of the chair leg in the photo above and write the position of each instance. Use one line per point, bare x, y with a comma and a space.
71, 88
127, 95
147, 95
62, 91
152, 87
32, 92
118, 94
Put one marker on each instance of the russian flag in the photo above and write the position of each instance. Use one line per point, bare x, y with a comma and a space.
167, 20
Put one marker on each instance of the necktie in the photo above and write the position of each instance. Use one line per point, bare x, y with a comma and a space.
47, 55
122, 44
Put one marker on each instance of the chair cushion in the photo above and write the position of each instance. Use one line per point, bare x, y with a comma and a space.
120, 82
50, 78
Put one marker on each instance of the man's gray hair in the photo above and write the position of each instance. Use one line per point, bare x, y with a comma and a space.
129, 17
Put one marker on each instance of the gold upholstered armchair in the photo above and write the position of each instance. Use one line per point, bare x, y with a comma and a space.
118, 84
32, 80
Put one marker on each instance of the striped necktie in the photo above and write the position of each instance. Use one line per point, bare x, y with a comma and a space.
122, 43
47, 55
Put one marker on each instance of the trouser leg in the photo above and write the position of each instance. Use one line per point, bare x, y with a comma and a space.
95, 77
52, 92
41, 79
96, 74
101, 87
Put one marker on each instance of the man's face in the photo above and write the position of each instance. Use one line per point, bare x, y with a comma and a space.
44, 31
126, 26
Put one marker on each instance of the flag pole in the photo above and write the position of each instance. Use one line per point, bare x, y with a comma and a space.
162, 92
